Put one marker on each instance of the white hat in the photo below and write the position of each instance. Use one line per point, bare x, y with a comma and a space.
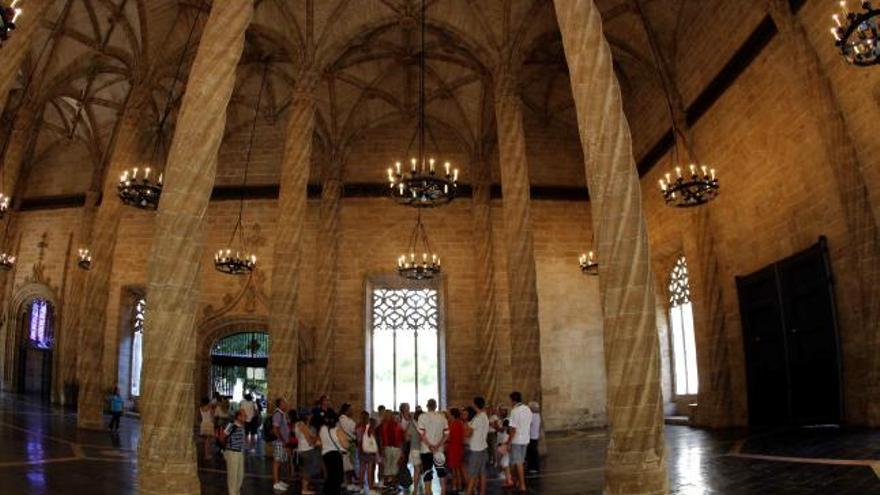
439, 459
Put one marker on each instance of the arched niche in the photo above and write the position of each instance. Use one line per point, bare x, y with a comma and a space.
34, 359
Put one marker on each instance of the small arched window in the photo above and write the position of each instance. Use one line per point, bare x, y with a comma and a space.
139, 313
681, 322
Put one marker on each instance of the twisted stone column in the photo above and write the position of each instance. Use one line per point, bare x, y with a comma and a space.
166, 452
92, 313
71, 311
525, 335
486, 313
328, 275
19, 42
287, 259
635, 459
860, 219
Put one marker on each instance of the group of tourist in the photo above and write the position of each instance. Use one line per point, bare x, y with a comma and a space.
389, 451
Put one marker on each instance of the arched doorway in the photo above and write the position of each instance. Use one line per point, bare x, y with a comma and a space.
36, 348
238, 364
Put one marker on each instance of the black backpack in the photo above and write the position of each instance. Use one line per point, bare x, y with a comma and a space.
268, 429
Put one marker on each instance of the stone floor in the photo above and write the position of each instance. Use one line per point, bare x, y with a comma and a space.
41, 452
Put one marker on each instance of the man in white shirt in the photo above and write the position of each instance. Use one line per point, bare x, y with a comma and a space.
434, 430
520, 428
478, 460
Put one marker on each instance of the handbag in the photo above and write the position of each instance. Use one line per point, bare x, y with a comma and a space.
368, 443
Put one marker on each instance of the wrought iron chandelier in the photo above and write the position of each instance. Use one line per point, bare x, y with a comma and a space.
8, 17
412, 266
856, 34
136, 187
589, 263
693, 184
238, 260
420, 184
7, 261
84, 259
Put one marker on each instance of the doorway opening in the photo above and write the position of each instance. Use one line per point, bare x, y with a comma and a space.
36, 348
238, 365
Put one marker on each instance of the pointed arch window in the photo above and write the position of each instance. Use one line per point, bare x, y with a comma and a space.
139, 313
681, 322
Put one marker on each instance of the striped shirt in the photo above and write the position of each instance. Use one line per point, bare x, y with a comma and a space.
234, 437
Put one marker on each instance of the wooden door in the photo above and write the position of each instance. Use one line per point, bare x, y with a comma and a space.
790, 341
811, 337
764, 341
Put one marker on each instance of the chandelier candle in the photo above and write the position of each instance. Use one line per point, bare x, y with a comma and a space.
856, 34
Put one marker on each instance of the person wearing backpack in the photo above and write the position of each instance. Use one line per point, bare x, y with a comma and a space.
232, 438
279, 436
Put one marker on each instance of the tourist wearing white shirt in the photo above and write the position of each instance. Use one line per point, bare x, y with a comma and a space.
520, 426
478, 460
433, 429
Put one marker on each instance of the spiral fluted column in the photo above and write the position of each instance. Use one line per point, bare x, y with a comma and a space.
328, 275
166, 452
635, 459
18, 44
861, 220
525, 335
486, 313
287, 262
92, 314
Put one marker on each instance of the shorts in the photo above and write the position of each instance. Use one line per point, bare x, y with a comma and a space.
251, 427
429, 467
517, 454
478, 463
392, 457
279, 451
310, 461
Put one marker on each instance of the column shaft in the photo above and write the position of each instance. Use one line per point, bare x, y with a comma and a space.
287, 263
635, 459
486, 312
525, 335
328, 275
101, 241
166, 452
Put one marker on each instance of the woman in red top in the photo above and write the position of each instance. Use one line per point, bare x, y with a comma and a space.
391, 439
455, 449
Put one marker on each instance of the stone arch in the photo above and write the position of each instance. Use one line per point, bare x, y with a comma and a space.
33, 288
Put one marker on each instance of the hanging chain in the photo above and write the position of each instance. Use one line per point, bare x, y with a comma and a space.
239, 226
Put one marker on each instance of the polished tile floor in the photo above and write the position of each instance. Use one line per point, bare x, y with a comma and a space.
41, 452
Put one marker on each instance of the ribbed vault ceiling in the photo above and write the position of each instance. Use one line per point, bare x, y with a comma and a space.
83, 63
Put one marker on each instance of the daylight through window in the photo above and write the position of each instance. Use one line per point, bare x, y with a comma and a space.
681, 320
405, 340
137, 345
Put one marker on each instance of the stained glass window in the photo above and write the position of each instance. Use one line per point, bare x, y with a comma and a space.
405, 346
137, 344
40, 332
681, 319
